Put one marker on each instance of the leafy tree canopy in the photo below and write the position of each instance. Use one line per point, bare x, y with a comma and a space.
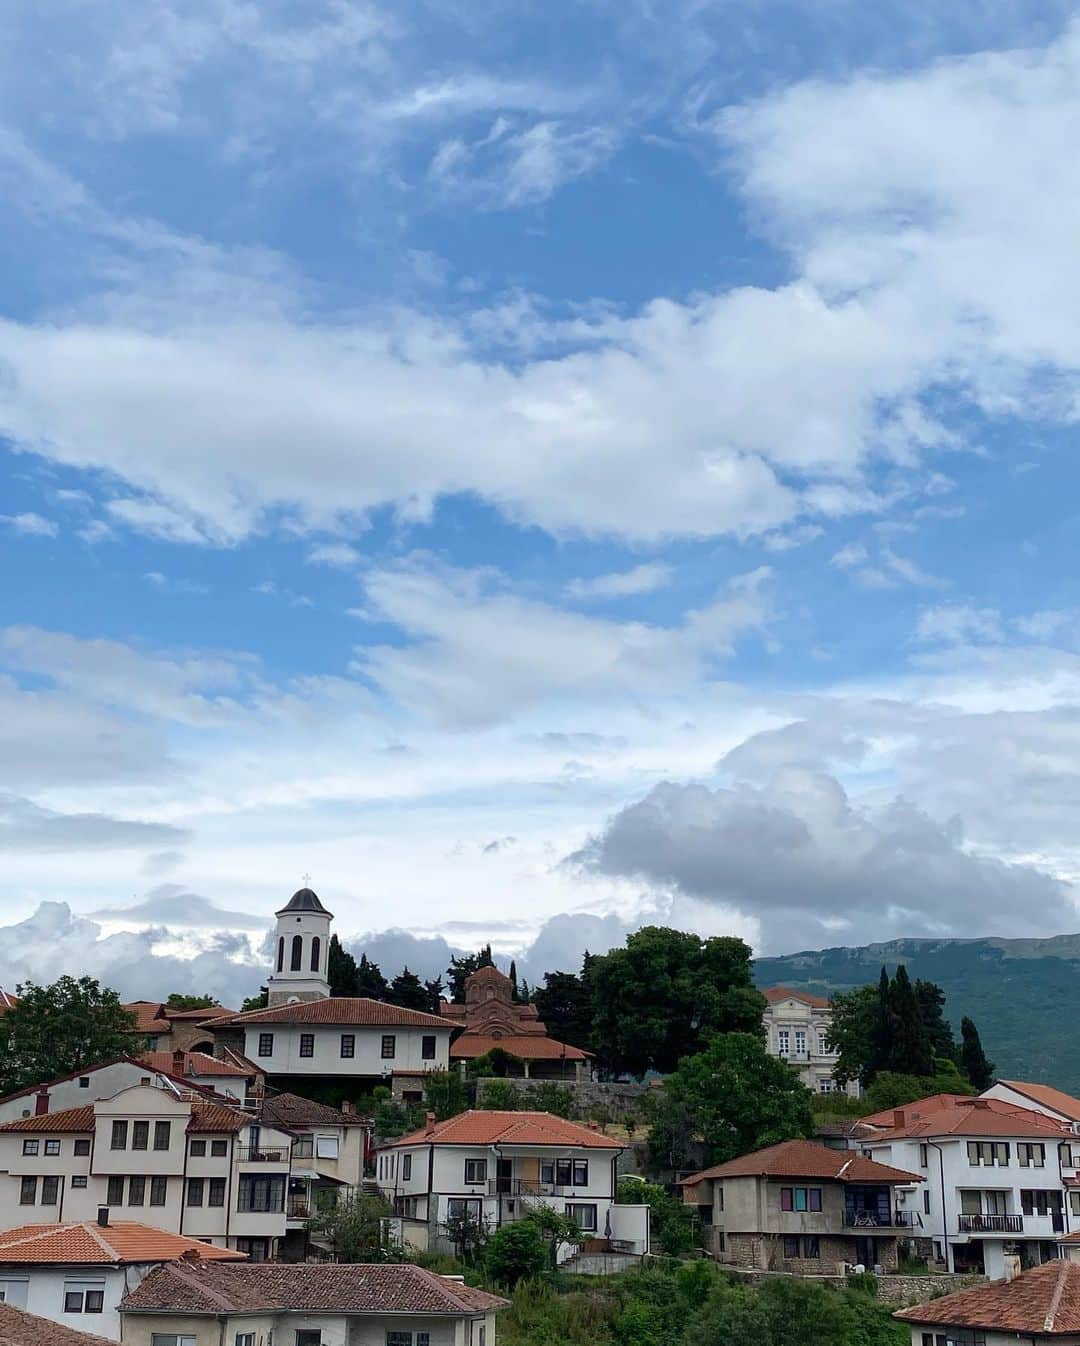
515, 1252
671, 1220
408, 991
354, 1228
370, 981
59, 1029
461, 969
254, 1002
190, 1002
445, 1094
565, 1005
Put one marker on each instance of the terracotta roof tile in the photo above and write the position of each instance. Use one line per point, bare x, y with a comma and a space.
1043, 1302
19, 1328
509, 1128
973, 1117
292, 1110
148, 1016
920, 1108
69, 1119
347, 1010
114, 1244
198, 1063
342, 1288
205, 1015
1048, 1097
531, 1048
775, 995
215, 1117
804, 1159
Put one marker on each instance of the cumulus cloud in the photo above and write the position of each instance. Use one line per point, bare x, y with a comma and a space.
172, 905
642, 579
953, 623
26, 826
30, 525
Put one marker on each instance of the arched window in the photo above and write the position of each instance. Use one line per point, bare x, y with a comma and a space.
280, 952
296, 964
315, 954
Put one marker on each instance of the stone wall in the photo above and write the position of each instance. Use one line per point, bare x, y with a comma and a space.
903, 1290
615, 1101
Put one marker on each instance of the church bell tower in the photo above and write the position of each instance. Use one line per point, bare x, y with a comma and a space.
301, 951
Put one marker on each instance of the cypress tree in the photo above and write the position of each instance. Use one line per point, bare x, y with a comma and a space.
370, 981
910, 1052
340, 969
976, 1067
881, 1036
513, 982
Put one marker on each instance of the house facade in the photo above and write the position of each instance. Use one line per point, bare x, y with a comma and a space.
159, 1027
797, 1027
491, 1168
998, 1178
1041, 1307
76, 1274
176, 1163
313, 1305
803, 1208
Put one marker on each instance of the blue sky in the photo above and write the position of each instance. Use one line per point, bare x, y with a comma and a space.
539, 467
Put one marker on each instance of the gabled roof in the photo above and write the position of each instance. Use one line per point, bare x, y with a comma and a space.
1043, 1302
922, 1107
19, 1328
289, 1110
508, 1128
350, 1011
197, 1063
113, 1245
216, 1288
527, 1047
977, 1117
149, 1016
776, 995
804, 1159
1048, 1097
206, 1118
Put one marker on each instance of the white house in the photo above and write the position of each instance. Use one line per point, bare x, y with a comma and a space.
997, 1178
494, 1167
1039, 1098
177, 1163
797, 1027
77, 1273
205, 1304
101, 1080
1039, 1308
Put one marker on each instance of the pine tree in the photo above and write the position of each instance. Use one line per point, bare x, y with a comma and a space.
435, 992
370, 981
881, 1036
976, 1067
340, 969
513, 982
910, 1052
408, 991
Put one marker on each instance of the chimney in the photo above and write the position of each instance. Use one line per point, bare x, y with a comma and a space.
899, 1118
1012, 1266
429, 1123
594, 1125
103, 1217
178, 1060
41, 1103
347, 1107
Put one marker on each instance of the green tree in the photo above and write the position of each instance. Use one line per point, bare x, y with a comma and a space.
851, 1032
461, 969
467, 1235
890, 1090
60, 1029
340, 969
370, 982
498, 1062
787, 1311
978, 1069
515, 1252
435, 992
564, 1003
671, 1220
558, 1230
178, 1001
255, 1002
390, 1118
512, 974
931, 1000
550, 1096
658, 999
445, 1094
499, 1096
354, 1227
909, 1052
735, 1096
408, 991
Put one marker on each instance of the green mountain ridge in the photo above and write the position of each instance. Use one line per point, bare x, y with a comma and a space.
1018, 991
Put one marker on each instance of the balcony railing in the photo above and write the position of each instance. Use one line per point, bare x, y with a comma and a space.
991, 1224
873, 1219
530, 1187
263, 1154
299, 1208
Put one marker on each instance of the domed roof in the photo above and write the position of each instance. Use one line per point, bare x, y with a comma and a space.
488, 973
304, 899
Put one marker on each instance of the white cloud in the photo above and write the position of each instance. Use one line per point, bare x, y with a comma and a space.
30, 525
642, 579
339, 555
954, 623
25, 826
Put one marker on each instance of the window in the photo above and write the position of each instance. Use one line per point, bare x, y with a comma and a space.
307, 1336
258, 1250
427, 1047
303, 1147
27, 1191
219, 1148
1040, 1202
463, 1208
297, 960
824, 1047
84, 1081
316, 948
216, 1196
194, 1191
987, 1152
244, 1339
808, 1247
924, 1156
31, 1146
585, 1216
389, 1046
158, 1191
197, 1149
171, 1339
926, 1203
825, 1085
258, 1193
564, 1172
119, 1136
114, 1192
1074, 1203
811, 1247
78, 1181
50, 1190
307, 1044
581, 1173
800, 1042
82, 1146
136, 1191
783, 1042
791, 1246
326, 1147
84, 1301
52, 1147
399, 1339
266, 1044
162, 1135
1029, 1155
406, 1167
800, 1198
281, 952
140, 1135
475, 1170
348, 1046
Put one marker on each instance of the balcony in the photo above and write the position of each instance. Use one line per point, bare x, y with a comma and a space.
299, 1208
262, 1154
873, 1219
991, 1224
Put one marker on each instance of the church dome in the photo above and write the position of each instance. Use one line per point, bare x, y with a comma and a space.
304, 899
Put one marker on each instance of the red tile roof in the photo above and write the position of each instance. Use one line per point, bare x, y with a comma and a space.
804, 1159
19, 1328
215, 1117
215, 1288
1042, 1303
974, 1117
197, 1063
528, 1048
290, 1110
509, 1128
1048, 1097
114, 1244
922, 1107
205, 1015
148, 1016
346, 1010
69, 1119
775, 995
